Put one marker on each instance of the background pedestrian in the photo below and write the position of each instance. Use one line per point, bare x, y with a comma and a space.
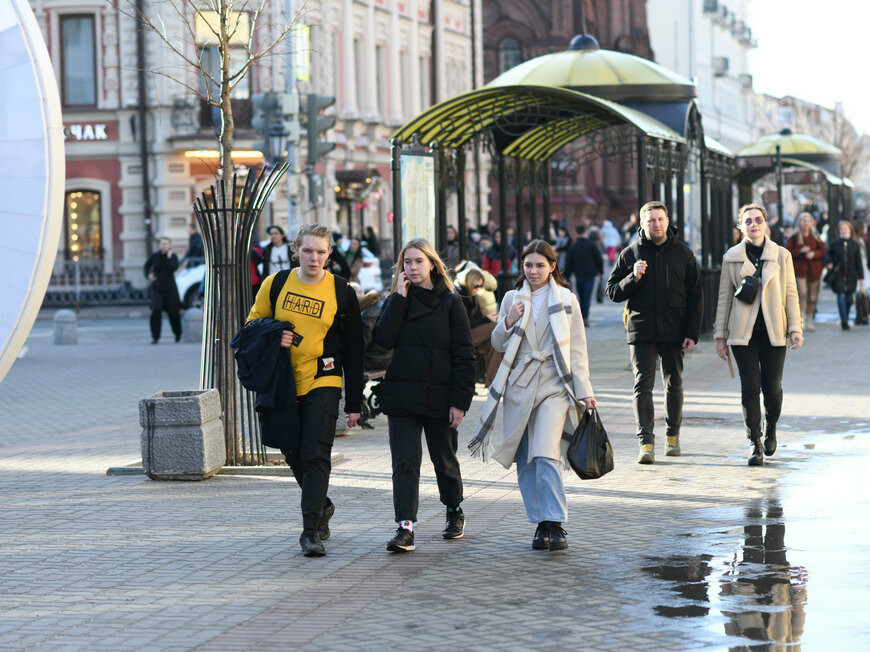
160, 269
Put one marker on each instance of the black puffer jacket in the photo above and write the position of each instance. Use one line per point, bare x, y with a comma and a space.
665, 304
432, 368
845, 256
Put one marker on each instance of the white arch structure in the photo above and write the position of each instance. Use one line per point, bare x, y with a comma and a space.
31, 175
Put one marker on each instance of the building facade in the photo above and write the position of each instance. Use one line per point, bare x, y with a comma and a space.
709, 42
140, 148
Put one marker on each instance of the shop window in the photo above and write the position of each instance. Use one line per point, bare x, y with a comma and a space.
83, 226
78, 61
509, 54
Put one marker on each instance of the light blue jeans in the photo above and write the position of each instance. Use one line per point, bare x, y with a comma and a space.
541, 486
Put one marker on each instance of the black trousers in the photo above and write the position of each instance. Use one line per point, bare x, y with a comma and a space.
159, 303
407, 453
312, 462
643, 363
760, 365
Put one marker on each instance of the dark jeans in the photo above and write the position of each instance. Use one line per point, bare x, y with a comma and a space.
643, 363
585, 289
407, 452
312, 463
760, 365
844, 305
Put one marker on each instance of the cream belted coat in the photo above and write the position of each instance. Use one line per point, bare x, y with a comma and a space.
778, 303
535, 397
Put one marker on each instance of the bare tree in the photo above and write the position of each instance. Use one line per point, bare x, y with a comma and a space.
240, 25
830, 126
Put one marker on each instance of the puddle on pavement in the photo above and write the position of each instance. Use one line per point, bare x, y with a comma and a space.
793, 572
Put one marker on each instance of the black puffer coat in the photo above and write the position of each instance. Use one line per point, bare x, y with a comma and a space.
432, 368
665, 304
845, 255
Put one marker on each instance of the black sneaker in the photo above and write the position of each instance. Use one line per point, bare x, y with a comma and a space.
557, 537
311, 544
542, 536
455, 527
402, 542
323, 528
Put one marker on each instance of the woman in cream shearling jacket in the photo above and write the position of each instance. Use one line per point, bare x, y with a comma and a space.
758, 332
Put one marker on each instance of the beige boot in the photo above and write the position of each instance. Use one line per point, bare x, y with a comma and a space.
808, 323
673, 446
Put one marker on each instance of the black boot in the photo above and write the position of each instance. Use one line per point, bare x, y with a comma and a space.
323, 527
769, 438
542, 536
756, 458
557, 537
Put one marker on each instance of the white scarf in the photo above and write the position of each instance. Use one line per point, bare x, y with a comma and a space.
558, 309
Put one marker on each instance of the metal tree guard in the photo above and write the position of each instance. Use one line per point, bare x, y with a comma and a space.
226, 219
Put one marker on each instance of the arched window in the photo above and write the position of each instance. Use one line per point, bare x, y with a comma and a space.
83, 233
509, 54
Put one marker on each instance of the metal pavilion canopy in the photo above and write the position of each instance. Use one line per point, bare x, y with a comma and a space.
795, 150
606, 104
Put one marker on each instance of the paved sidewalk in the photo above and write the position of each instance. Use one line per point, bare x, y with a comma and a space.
97, 562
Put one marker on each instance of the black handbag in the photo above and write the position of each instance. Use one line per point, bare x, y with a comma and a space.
590, 453
748, 288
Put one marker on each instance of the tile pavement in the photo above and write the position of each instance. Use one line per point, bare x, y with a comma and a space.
97, 562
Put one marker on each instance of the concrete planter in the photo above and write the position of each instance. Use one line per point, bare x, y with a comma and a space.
182, 435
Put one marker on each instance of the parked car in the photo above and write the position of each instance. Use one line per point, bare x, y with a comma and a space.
191, 284
370, 272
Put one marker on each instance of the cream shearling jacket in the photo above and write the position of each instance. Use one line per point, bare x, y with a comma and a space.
777, 300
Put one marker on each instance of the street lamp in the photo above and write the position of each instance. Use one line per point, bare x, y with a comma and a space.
277, 139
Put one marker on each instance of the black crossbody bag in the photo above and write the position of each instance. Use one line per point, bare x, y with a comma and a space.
748, 288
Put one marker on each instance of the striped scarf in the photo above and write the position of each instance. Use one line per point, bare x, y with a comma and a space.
558, 310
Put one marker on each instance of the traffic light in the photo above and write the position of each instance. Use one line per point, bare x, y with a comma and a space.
317, 124
266, 113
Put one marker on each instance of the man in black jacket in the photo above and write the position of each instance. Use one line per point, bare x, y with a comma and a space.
585, 263
658, 276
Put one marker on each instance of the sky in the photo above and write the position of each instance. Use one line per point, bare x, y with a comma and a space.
816, 50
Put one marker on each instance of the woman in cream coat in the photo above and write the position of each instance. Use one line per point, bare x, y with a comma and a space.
543, 316
758, 332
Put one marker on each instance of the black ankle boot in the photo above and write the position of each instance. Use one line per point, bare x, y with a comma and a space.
756, 458
541, 540
557, 537
769, 439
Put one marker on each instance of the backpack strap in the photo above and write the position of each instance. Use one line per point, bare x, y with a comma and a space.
277, 283
341, 289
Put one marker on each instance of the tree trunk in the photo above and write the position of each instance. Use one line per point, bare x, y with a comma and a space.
227, 126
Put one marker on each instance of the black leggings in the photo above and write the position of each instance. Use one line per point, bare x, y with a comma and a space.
760, 365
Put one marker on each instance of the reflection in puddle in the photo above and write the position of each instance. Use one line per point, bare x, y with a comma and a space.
760, 595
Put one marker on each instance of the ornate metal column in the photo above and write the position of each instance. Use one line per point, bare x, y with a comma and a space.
226, 218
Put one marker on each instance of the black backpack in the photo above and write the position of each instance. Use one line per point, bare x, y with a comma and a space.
340, 296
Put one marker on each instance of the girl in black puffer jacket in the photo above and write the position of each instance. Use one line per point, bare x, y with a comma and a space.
428, 386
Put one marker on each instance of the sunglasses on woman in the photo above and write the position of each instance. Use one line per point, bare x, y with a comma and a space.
758, 220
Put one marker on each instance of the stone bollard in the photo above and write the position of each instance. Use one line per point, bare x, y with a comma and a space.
191, 326
182, 435
65, 329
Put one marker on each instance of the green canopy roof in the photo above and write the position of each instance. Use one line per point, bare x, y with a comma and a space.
793, 145
527, 121
610, 74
